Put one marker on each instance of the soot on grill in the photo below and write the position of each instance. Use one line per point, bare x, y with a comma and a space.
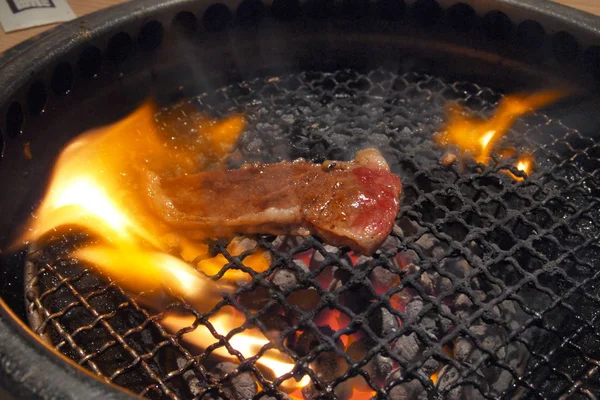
484, 289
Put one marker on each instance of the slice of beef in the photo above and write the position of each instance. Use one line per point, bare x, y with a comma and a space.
345, 203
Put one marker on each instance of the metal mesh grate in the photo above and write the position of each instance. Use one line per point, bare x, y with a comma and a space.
487, 287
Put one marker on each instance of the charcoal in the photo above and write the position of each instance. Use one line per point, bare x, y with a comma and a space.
427, 283
357, 298
463, 348
427, 242
383, 322
305, 299
382, 366
255, 298
409, 256
408, 391
390, 245
195, 385
408, 347
448, 376
412, 310
329, 365
502, 382
281, 396
285, 279
318, 259
240, 386
462, 302
384, 278
284, 243
430, 366
309, 340
445, 324
274, 321
458, 267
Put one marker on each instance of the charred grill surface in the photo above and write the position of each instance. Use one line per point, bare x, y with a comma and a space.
486, 288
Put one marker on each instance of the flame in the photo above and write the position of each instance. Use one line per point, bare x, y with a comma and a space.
478, 137
249, 342
98, 186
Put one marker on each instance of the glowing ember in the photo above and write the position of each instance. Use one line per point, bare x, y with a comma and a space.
478, 137
248, 343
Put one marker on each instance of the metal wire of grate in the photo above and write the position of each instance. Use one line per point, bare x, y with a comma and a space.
486, 288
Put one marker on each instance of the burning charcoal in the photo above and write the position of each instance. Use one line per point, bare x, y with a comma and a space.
240, 386
383, 322
273, 321
305, 299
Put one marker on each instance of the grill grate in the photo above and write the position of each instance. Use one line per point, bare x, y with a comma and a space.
489, 283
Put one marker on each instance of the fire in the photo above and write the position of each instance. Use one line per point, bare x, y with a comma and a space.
98, 186
478, 137
248, 343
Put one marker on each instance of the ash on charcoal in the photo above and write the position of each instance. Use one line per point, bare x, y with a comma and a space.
318, 259
383, 322
282, 396
239, 386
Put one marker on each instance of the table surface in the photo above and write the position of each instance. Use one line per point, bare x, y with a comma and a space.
82, 7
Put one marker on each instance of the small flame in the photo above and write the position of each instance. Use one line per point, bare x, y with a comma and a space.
478, 137
248, 343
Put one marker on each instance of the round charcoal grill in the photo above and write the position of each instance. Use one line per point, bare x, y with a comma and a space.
487, 288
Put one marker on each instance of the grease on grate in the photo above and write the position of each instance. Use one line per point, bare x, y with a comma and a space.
485, 288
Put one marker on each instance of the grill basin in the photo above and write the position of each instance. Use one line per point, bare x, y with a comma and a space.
492, 281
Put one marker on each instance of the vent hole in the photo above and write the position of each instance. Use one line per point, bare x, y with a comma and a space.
531, 35
320, 9
216, 18
427, 12
119, 47
14, 120
150, 36
497, 25
90, 62
36, 98
185, 24
462, 17
565, 47
285, 9
250, 13
591, 59
392, 10
62, 79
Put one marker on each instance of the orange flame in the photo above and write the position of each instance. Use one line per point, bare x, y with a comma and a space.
98, 186
249, 342
478, 137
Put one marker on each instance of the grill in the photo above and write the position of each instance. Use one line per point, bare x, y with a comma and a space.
487, 287
488, 282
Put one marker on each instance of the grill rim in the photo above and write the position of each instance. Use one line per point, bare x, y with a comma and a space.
32, 369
